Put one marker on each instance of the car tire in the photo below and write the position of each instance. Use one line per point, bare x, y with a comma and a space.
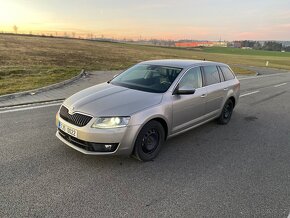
227, 112
149, 141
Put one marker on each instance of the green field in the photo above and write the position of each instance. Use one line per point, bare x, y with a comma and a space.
238, 51
32, 62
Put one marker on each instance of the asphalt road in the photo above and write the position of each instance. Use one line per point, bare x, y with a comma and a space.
238, 170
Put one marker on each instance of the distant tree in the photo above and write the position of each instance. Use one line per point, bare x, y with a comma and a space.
73, 34
15, 28
247, 43
287, 48
257, 45
154, 41
272, 46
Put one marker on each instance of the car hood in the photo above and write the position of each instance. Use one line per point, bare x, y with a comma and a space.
110, 100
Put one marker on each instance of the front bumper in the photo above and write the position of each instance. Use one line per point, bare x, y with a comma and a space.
124, 138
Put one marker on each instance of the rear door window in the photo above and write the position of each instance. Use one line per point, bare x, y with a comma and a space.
211, 75
228, 74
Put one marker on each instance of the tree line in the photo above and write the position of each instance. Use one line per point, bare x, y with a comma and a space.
268, 45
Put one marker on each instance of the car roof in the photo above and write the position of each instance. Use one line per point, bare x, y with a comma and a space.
180, 63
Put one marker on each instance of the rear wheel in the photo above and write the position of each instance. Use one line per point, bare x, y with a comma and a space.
226, 114
149, 141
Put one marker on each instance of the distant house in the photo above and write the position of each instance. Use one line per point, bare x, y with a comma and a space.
237, 44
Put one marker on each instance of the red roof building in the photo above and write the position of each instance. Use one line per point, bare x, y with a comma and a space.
194, 44
200, 44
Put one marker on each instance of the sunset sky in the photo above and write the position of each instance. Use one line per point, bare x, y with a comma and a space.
164, 19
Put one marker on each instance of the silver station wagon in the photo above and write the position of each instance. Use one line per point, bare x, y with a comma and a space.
139, 109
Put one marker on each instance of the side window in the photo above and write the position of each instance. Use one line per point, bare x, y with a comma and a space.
227, 73
192, 78
211, 75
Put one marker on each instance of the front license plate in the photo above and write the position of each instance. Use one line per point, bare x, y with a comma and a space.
68, 130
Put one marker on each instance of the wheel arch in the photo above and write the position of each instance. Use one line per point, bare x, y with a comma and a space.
232, 98
163, 123
159, 119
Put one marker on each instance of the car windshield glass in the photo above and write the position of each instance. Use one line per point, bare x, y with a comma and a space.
149, 78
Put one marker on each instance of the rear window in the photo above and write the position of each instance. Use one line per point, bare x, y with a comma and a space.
211, 75
228, 74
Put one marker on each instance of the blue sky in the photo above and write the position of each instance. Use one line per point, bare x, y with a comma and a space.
207, 19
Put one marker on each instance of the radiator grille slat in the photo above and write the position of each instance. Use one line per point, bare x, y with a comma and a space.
75, 119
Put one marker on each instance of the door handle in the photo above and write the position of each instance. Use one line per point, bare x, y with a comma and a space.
226, 89
203, 95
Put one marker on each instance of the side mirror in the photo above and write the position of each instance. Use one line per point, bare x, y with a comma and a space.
184, 90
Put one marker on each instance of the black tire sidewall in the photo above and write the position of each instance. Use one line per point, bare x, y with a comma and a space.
223, 120
138, 152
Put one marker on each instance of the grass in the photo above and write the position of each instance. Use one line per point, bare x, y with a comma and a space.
242, 71
32, 62
252, 52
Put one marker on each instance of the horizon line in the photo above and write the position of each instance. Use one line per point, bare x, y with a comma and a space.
91, 36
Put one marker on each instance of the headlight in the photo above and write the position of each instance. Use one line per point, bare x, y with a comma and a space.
110, 122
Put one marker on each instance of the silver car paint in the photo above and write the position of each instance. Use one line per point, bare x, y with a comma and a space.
109, 100
178, 113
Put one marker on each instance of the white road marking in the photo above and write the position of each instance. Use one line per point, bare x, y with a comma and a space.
250, 93
288, 216
282, 84
29, 108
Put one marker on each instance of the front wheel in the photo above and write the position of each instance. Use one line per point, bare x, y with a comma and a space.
226, 114
149, 141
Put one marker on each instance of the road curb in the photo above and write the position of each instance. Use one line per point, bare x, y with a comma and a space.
31, 103
43, 89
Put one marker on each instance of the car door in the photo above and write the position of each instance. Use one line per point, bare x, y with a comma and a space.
215, 90
188, 109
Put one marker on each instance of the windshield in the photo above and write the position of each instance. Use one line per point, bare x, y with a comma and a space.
149, 78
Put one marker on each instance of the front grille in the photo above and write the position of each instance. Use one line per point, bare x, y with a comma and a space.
75, 119
88, 146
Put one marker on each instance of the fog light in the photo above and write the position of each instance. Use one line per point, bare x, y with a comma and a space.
108, 147
102, 147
